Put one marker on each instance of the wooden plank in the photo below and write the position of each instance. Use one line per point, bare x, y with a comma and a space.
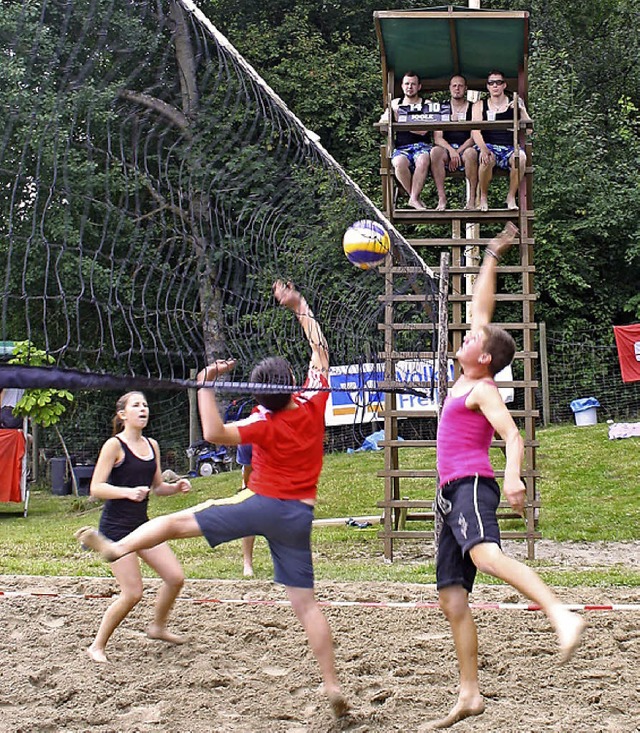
440, 243
413, 298
422, 216
401, 327
431, 413
428, 534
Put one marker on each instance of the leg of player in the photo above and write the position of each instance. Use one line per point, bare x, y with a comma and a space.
165, 563
569, 626
179, 525
305, 606
454, 601
127, 573
247, 556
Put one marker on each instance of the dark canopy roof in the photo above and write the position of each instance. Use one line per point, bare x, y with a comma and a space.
439, 42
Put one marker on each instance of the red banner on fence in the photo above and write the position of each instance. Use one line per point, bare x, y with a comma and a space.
628, 343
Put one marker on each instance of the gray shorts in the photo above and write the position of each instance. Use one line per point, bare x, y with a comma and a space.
284, 523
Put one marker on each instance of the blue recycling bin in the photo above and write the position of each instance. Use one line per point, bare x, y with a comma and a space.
585, 410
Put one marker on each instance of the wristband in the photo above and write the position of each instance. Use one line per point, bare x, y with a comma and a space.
491, 253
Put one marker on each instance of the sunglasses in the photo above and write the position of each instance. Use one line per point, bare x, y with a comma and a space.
495, 82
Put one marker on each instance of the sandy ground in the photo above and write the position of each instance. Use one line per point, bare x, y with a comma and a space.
247, 669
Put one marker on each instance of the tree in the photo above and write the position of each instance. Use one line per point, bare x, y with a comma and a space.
43, 406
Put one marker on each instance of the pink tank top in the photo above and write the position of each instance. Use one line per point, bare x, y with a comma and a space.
464, 437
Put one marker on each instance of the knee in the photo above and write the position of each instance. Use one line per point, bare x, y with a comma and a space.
304, 604
400, 164
131, 596
454, 606
470, 157
438, 155
175, 579
486, 557
422, 162
521, 158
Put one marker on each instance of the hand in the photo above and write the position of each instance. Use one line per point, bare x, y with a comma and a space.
183, 486
486, 157
287, 295
213, 371
502, 243
515, 492
454, 160
138, 493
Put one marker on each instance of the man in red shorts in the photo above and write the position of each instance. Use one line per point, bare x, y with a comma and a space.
286, 433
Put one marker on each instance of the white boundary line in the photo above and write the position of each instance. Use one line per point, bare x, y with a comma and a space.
428, 605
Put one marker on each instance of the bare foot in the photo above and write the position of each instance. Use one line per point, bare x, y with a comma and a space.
461, 710
416, 204
96, 654
471, 204
511, 203
338, 703
247, 571
442, 205
92, 539
569, 628
156, 631
484, 206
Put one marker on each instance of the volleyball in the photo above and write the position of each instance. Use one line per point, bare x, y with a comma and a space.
366, 243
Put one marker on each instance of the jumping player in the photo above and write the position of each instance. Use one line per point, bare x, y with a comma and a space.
468, 495
287, 437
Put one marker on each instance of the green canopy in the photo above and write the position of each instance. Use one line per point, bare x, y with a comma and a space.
439, 42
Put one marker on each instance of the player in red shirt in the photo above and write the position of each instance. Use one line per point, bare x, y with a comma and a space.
287, 433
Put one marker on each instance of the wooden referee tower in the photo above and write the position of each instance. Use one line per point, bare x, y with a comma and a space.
437, 44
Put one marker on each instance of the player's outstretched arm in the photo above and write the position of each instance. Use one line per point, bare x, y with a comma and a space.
214, 429
289, 297
484, 290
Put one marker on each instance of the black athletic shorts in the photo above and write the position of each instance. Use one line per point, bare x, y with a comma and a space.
467, 517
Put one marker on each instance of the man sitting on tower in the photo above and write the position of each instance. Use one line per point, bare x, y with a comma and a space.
414, 151
458, 144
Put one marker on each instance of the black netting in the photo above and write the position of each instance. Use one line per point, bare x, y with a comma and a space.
153, 188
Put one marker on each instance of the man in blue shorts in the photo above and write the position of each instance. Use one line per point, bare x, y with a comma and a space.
286, 433
458, 144
468, 495
496, 146
414, 151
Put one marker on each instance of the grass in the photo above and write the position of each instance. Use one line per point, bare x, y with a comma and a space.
589, 491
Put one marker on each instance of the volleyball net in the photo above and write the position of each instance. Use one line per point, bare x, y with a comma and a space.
153, 188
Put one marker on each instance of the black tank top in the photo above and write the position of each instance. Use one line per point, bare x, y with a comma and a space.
406, 113
458, 137
131, 472
497, 137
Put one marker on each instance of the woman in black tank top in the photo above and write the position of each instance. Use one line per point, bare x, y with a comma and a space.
127, 471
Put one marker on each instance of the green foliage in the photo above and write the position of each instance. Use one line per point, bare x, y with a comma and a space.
43, 406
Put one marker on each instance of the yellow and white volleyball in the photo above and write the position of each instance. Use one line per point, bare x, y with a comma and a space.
366, 243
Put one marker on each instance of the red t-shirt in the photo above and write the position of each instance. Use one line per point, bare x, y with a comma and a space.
288, 445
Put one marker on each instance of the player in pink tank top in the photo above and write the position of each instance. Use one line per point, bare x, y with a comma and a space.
468, 495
